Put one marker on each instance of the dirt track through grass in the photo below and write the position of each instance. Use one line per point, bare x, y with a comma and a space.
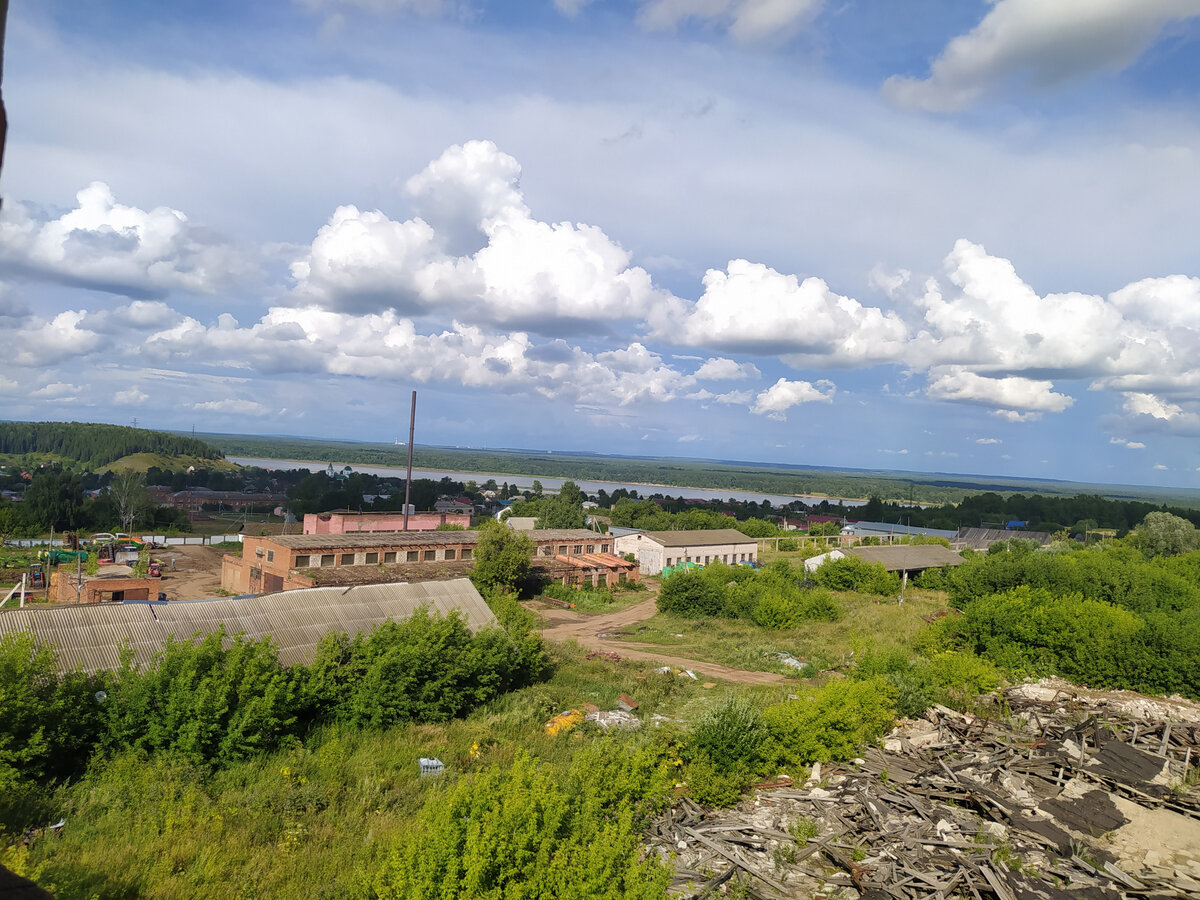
569, 625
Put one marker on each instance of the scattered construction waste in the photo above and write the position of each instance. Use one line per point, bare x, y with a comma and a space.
431, 765
668, 670
614, 720
565, 721
1069, 795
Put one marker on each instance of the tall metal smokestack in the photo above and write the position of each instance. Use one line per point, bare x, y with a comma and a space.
412, 425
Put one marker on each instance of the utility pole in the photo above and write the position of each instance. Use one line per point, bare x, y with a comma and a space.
412, 424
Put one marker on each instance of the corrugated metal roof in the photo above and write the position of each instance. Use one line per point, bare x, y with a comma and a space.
982, 538
91, 636
699, 538
909, 557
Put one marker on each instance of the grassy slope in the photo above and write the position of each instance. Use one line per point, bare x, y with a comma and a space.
867, 622
308, 821
141, 462
304, 821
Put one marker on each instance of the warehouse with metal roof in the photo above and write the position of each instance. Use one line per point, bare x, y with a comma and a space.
91, 636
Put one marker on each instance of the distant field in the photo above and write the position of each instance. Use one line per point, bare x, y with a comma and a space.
923, 488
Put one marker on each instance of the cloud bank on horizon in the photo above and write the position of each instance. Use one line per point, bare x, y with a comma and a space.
681, 251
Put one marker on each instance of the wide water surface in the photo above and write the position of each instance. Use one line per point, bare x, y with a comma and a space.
550, 484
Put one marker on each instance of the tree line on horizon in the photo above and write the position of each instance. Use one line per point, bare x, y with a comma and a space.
94, 445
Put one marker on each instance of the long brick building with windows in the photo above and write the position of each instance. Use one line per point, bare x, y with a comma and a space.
286, 562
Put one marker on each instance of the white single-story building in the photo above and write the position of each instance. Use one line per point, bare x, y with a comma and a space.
815, 562
656, 550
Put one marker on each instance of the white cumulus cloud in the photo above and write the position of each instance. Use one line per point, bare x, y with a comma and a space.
776, 400
722, 369
107, 246
1013, 397
753, 307
531, 274
1045, 43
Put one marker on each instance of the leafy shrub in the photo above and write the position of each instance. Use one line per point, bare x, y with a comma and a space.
516, 831
788, 609
828, 723
207, 703
850, 573
952, 678
425, 669
692, 594
731, 734
47, 722
711, 785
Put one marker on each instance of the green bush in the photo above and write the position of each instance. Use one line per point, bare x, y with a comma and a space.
48, 722
831, 722
518, 832
853, 574
730, 735
692, 594
207, 703
424, 669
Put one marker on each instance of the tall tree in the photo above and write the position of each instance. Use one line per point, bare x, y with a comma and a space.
502, 557
129, 497
54, 500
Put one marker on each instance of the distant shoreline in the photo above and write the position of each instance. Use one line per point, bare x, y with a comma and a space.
708, 493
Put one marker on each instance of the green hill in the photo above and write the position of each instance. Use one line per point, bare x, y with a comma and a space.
99, 447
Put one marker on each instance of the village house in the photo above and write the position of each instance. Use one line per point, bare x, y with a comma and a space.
656, 550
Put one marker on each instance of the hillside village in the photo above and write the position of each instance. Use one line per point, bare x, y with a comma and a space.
735, 670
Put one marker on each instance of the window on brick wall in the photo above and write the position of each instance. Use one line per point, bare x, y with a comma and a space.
327, 559
347, 559
467, 553
430, 555
301, 562
413, 556
371, 558
451, 554
389, 556
270, 556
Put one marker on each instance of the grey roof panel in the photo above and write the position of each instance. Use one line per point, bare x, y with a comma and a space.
700, 538
909, 557
91, 636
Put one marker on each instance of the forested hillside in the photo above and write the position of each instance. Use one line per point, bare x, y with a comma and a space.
95, 445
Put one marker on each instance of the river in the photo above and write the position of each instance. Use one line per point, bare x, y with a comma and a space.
550, 484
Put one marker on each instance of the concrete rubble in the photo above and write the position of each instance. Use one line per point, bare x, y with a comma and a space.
1061, 794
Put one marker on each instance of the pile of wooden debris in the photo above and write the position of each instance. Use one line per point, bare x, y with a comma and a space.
1069, 794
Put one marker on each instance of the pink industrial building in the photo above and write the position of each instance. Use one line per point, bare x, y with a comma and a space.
348, 522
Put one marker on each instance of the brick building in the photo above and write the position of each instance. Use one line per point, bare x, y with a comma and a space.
343, 521
281, 562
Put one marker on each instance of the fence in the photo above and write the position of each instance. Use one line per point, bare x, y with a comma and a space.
180, 541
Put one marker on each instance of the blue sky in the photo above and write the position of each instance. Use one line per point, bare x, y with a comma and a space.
942, 235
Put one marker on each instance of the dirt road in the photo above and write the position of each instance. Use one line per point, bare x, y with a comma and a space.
569, 625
